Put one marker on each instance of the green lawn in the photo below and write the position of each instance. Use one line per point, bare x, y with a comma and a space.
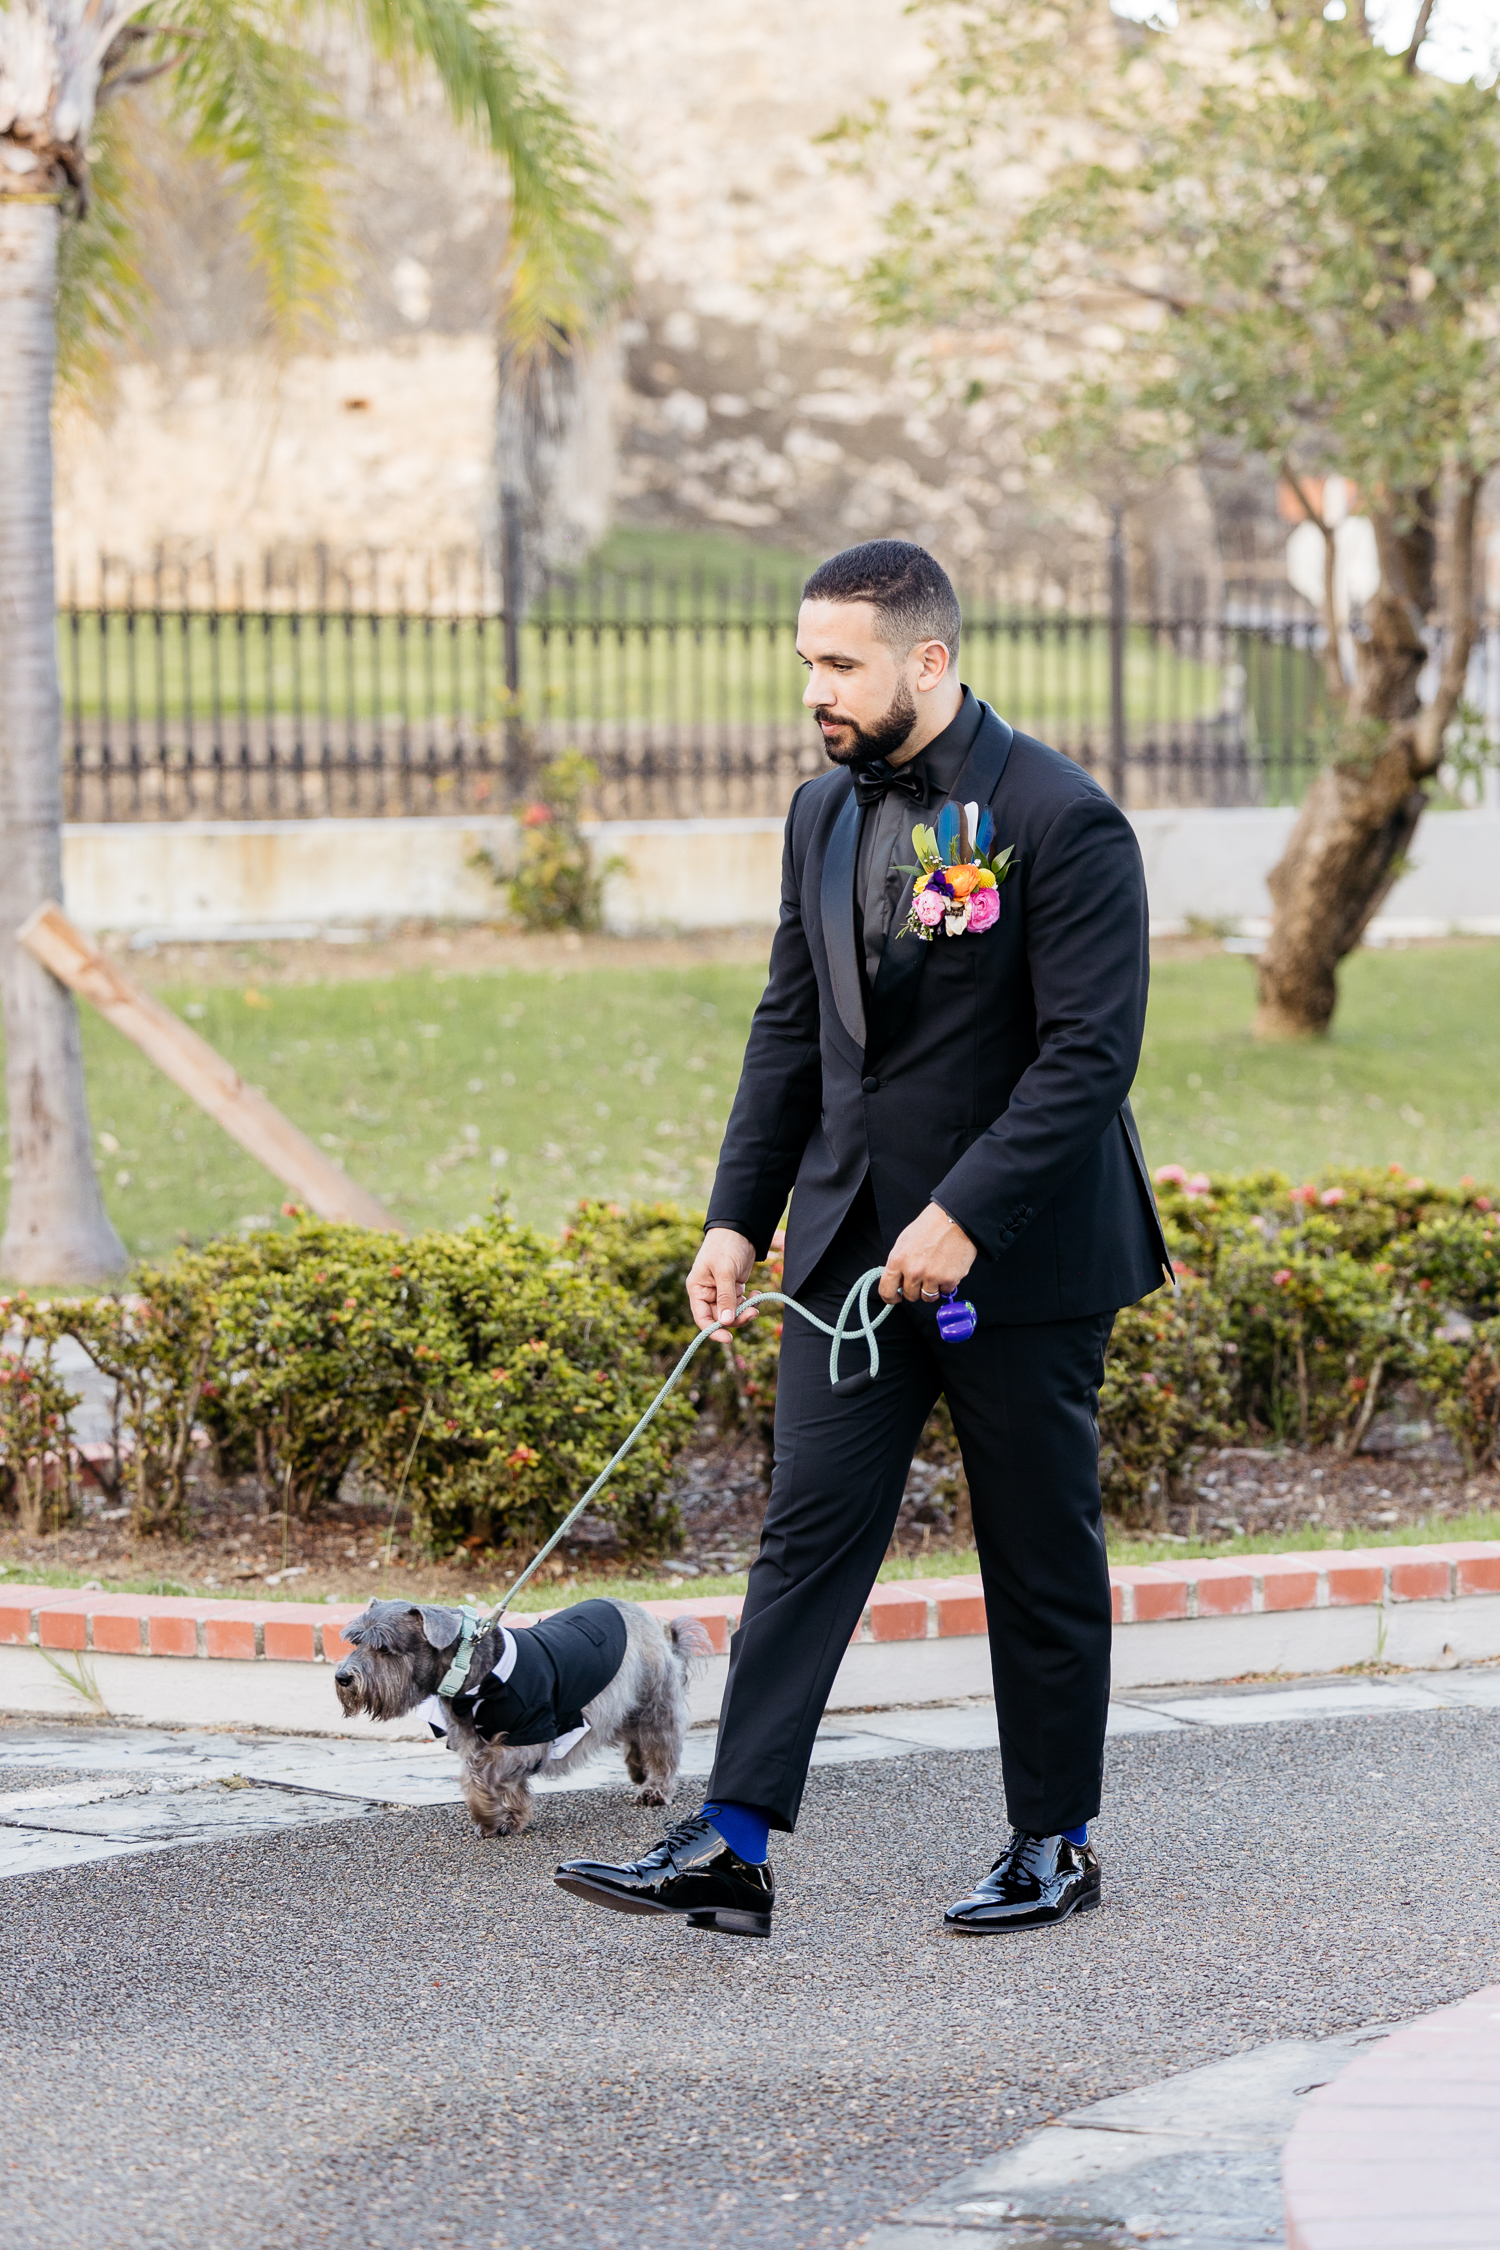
668, 651
658, 627
434, 1089
1411, 1074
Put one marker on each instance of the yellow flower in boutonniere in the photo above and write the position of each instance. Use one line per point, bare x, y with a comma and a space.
957, 876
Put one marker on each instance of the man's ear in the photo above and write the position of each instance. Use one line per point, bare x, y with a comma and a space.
442, 1626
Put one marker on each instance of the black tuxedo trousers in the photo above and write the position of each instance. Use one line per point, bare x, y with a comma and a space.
1024, 1401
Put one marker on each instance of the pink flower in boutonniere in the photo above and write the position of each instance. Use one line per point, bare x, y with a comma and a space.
958, 875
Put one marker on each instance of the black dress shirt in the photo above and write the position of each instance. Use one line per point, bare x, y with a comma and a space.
885, 845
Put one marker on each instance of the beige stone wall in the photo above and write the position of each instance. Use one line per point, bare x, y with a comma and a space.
736, 402
736, 393
749, 400
388, 446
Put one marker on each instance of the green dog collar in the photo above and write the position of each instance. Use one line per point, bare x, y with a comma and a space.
458, 1671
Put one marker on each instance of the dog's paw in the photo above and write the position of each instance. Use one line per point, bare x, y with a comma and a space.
654, 1797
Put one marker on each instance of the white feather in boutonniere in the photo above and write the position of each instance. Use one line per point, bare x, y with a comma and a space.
958, 873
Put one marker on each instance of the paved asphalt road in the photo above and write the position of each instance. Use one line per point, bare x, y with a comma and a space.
385, 2032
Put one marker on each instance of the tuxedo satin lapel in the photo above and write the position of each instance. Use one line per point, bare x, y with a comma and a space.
836, 910
903, 960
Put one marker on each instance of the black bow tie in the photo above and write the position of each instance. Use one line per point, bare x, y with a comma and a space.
873, 782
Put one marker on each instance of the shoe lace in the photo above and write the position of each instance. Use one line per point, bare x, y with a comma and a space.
687, 1831
1019, 1838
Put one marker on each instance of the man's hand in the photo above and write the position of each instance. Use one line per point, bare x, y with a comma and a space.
717, 1281
927, 1259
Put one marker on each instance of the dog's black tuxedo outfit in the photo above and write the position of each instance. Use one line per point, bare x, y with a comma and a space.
547, 1675
989, 1074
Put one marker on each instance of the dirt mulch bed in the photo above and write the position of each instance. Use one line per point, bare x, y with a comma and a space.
354, 1550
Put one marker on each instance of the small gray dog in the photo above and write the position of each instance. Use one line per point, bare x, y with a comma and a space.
513, 1702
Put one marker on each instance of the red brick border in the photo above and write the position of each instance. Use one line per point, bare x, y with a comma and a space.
914, 1609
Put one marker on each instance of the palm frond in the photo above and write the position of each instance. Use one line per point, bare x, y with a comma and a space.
101, 294
254, 102
562, 264
250, 94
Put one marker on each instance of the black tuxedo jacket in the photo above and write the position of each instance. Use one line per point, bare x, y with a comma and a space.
988, 1074
561, 1664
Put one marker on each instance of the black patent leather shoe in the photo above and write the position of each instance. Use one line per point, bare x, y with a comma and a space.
1036, 1880
692, 1873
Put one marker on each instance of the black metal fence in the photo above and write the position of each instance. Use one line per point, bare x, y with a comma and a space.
390, 689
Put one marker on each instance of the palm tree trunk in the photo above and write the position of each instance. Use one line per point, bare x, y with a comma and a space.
56, 1228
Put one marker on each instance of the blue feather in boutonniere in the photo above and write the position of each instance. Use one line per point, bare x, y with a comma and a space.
958, 873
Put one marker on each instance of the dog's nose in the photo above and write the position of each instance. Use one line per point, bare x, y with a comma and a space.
344, 1675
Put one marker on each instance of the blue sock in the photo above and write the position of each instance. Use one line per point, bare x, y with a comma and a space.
743, 1829
1079, 1835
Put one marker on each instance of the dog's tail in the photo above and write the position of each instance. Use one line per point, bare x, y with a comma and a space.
690, 1641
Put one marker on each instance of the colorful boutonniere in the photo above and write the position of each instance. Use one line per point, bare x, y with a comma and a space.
959, 874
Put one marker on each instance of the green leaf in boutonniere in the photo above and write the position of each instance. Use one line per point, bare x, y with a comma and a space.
999, 865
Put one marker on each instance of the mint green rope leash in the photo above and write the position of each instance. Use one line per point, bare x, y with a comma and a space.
840, 1330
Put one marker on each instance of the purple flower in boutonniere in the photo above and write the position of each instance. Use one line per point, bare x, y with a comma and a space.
958, 875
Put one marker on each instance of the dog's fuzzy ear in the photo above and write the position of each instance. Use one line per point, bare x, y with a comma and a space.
442, 1626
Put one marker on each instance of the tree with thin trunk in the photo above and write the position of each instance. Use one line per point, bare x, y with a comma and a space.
245, 88
1259, 232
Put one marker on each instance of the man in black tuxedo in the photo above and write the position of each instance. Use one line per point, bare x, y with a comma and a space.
954, 1111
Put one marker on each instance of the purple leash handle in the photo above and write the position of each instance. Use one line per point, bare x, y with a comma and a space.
956, 1319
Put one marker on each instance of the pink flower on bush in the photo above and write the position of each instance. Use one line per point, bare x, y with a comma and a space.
1330, 1197
1283, 1277
535, 816
1304, 1195
984, 909
1171, 1175
931, 907
1199, 1184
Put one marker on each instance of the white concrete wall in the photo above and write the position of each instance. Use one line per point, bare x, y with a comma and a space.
210, 878
216, 878
1213, 866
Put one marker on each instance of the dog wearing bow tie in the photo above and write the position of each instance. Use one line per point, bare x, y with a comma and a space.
519, 1699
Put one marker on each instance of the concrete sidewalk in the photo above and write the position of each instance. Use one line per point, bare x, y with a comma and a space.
379, 2030
117, 1790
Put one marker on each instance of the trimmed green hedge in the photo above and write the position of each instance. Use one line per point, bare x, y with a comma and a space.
1321, 1297
486, 1376
481, 1375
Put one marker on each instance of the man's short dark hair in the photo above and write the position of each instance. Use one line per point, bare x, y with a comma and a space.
912, 594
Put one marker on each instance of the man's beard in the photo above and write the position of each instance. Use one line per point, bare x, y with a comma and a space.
866, 744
